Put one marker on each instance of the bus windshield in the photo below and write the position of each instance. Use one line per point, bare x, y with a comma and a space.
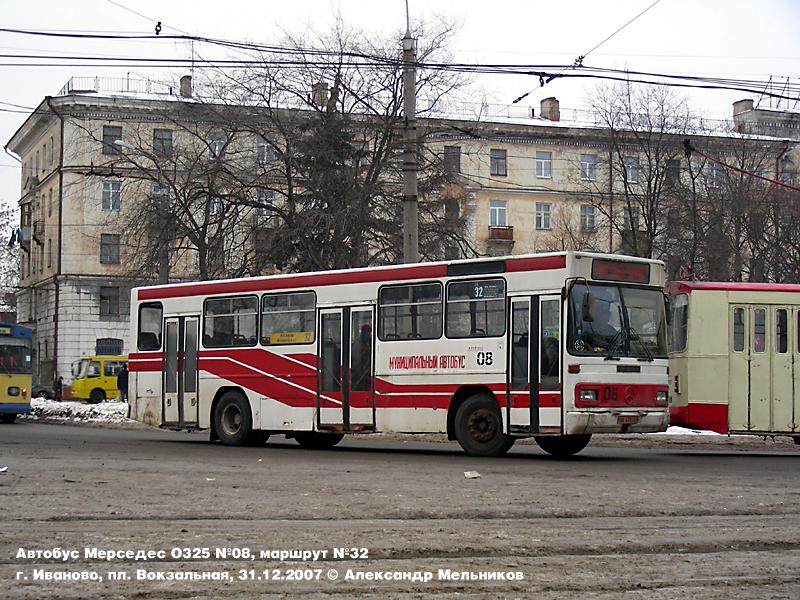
628, 322
15, 355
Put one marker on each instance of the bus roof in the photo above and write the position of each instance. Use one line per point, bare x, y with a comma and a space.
432, 270
15, 330
688, 287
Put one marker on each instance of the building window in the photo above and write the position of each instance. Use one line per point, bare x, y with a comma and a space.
498, 163
265, 153
544, 164
111, 134
630, 218
631, 169
216, 145
50, 151
162, 142
50, 202
543, 210
36, 167
588, 167
109, 248
714, 175
112, 192
215, 206
265, 214
673, 170
588, 217
109, 300
498, 213
452, 159
49, 253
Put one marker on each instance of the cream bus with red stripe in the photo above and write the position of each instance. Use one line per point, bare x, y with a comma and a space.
554, 346
735, 357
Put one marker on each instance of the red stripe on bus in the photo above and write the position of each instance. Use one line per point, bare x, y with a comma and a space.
135, 366
299, 280
713, 417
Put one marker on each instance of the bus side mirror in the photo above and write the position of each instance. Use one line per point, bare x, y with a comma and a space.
587, 307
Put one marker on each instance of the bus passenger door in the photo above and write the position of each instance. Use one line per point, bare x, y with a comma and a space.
739, 370
331, 385
782, 384
761, 344
180, 406
535, 365
361, 400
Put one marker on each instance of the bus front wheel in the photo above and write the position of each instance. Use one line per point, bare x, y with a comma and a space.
233, 422
479, 427
562, 446
317, 440
97, 396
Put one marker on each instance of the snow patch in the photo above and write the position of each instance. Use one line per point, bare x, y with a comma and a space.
104, 412
675, 430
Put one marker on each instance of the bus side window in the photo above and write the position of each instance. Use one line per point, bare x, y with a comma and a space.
738, 330
781, 331
759, 330
407, 312
149, 334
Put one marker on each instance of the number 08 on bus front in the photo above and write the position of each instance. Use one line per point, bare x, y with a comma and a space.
552, 346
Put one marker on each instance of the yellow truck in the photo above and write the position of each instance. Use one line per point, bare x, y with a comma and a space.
94, 378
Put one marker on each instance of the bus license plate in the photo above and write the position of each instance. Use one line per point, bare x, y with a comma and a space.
627, 419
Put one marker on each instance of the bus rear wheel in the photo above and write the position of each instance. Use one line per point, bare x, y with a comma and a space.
233, 422
562, 446
478, 427
317, 440
8, 418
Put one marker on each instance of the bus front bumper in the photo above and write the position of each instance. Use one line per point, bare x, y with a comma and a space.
15, 409
616, 421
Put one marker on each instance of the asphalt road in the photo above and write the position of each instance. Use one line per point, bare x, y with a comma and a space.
639, 517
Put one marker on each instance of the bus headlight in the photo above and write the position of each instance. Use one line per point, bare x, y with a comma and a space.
13, 391
588, 395
661, 397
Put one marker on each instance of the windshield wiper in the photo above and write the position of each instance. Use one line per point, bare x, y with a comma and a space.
635, 337
615, 343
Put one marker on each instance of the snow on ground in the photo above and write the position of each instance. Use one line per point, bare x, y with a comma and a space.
675, 430
104, 412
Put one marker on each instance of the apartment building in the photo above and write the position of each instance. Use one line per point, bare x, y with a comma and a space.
531, 180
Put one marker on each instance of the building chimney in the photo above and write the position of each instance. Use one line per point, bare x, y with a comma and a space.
742, 106
549, 109
319, 94
186, 86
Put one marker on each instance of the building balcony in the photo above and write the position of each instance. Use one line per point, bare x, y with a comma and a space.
503, 233
38, 230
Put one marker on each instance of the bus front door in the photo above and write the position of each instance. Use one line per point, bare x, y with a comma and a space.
345, 398
179, 403
534, 365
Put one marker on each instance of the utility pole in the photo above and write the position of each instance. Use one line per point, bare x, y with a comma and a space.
410, 200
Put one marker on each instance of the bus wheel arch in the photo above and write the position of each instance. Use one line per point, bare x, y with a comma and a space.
462, 394
232, 419
478, 426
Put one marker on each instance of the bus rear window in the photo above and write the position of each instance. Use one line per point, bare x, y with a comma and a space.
149, 334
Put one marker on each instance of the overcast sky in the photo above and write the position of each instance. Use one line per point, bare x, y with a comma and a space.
729, 38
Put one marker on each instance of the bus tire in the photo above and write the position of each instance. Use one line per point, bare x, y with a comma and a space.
562, 446
478, 427
233, 421
8, 418
317, 440
97, 396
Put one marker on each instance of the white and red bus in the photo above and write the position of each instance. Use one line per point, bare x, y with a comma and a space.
554, 346
735, 357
